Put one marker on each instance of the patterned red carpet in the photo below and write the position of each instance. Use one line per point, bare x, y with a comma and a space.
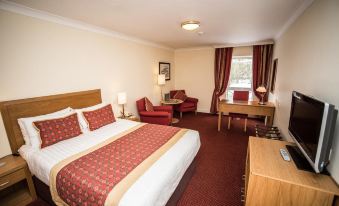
221, 162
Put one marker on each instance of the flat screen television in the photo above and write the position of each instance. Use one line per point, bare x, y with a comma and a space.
311, 125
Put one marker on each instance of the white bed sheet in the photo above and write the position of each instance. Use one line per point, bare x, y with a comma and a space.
154, 187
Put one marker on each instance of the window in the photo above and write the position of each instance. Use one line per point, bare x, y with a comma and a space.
240, 76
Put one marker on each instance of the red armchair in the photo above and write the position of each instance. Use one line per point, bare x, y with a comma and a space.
189, 105
161, 115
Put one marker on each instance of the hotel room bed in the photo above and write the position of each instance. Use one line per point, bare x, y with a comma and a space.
158, 185
154, 187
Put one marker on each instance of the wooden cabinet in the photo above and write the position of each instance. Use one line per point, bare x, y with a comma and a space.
16, 185
269, 180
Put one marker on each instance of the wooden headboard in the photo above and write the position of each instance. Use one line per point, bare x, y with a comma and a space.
11, 111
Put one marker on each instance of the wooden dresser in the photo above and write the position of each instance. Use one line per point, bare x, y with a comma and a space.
269, 180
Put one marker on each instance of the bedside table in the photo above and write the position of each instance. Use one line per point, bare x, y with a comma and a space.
13, 189
132, 118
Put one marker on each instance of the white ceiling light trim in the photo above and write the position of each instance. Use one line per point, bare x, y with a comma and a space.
225, 45
190, 25
245, 44
20, 9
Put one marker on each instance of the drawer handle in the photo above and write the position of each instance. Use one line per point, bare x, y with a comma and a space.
242, 190
3, 184
242, 198
243, 177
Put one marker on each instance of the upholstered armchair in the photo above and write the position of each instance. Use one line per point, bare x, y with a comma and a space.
189, 105
160, 115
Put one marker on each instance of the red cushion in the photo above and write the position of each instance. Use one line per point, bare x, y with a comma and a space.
55, 130
187, 104
99, 117
241, 95
148, 105
180, 95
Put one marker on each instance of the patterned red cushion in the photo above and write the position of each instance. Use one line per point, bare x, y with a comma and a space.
55, 130
180, 95
148, 105
99, 117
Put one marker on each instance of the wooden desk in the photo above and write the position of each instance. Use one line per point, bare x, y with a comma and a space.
270, 180
246, 107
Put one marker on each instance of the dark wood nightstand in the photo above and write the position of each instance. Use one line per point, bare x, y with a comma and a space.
14, 190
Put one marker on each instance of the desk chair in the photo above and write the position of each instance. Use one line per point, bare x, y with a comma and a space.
239, 96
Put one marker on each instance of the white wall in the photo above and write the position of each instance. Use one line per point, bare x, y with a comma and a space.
40, 58
194, 71
195, 74
308, 54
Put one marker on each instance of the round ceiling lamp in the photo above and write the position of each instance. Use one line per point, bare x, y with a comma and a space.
190, 25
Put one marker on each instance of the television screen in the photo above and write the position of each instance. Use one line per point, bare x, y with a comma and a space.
306, 121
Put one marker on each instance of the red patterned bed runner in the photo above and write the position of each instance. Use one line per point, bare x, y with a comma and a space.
89, 179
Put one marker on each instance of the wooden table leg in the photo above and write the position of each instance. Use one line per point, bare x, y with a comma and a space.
270, 120
219, 121
30, 184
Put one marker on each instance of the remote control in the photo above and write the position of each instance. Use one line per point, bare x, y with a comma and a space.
285, 155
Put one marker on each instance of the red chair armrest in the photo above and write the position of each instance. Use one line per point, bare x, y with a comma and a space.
163, 108
191, 99
154, 114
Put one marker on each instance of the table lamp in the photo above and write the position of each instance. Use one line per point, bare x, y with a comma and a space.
161, 82
122, 99
262, 91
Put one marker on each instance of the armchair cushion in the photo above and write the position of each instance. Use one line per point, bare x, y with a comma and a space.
163, 108
154, 114
180, 95
187, 105
191, 99
148, 105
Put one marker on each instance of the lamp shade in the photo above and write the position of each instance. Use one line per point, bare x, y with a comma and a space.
261, 89
122, 98
161, 79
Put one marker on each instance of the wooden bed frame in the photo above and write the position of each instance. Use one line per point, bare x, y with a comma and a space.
11, 111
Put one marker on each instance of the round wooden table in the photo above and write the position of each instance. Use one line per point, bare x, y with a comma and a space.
172, 102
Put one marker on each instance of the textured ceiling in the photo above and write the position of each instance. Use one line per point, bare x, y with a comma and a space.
222, 21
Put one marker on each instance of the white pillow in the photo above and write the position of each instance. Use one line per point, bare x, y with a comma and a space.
82, 120
30, 134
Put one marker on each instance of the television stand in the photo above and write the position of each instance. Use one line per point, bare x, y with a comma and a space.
270, 180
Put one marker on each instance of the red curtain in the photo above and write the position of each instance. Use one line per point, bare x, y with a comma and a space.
262, 63
222, 68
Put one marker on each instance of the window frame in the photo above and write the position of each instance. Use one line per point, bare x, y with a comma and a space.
232, 89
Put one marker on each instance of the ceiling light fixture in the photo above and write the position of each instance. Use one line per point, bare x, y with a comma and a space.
190, 25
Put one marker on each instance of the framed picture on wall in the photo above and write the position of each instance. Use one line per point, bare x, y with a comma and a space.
165, 68
274, 74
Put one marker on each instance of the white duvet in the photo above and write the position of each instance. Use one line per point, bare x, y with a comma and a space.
154, 187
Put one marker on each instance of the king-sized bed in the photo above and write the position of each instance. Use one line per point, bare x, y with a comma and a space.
157, 179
